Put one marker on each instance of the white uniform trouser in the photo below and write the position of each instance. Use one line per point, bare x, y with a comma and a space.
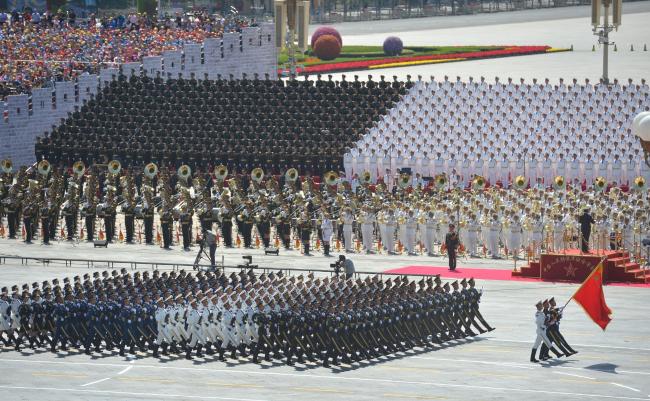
541, 336
163, 334
196, 335
493, 242
429, 239
410, 240
366, 233
558, 240
389, 241
347, 236
229, 337
213, 332
472, 240
515, 243
179, 333
251, 333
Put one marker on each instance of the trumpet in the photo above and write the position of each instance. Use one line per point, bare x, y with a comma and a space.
79, 168
44, 167
291, 175
257, 175
114, 167
150, 170
221, 172
184, 172
7, 166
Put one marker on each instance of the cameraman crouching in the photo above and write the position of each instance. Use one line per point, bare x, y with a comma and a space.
346, 264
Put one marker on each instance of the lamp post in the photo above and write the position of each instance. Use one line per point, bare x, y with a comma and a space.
602, 31
641, 129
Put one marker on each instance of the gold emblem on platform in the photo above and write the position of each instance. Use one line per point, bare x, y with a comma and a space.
570, 270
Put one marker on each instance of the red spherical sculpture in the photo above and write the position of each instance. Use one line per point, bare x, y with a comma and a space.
325, 30
327, 47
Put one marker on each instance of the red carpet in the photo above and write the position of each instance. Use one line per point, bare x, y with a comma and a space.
479, 274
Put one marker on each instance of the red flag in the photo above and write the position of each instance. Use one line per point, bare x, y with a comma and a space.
592, 299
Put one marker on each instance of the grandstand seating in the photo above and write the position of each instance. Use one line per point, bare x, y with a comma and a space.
240, 123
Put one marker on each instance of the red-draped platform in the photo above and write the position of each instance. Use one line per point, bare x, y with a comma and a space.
571, 265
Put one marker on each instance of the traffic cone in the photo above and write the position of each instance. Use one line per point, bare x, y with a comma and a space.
238, 241
24, 232
297, 243
139, 236
101, 234
81, 233
2, 230
120, 236
198, 236
338, 245
400, 247
62, 232
421, 248
358, 246
318, 244
257, 241
158, 237
178, 236
615, 48
277, 241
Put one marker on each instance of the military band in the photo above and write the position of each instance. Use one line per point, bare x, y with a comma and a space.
270, 316
289, 211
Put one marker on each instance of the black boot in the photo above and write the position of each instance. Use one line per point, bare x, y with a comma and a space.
198, 351
164, 349
155, 351
557, 353
532, 355
188, 353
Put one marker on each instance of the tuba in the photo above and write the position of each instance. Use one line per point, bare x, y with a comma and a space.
79, 168
44, 167
114, 167
184, 172
257, 174
150, 170
7, 166
331, 177
559, 183
478, 182
639, 183
441, 181
221, 172
520, 182
600, 184
366, 177
404, 180
291, 175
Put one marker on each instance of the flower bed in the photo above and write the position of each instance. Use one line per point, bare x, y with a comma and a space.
402, 61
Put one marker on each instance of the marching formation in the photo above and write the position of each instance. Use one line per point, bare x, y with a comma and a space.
304, 212
275, 316
547, 322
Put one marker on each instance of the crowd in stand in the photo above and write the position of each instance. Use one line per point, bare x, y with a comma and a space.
36, 48
503, 129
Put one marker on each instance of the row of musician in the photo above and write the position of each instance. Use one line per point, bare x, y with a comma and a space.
494, 221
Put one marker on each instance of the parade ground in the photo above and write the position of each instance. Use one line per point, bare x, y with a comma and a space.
494, 366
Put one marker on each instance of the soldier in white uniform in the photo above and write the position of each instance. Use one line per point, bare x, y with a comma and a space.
515, 236
540, 329
411, 225
389, 240
430, 233
348, 220
327, 229
5, 318
493, 237
367, 226
194, 330
164, 337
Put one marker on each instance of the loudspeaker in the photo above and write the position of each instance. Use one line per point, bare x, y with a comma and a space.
272, 251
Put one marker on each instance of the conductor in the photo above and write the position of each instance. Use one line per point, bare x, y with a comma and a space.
451, 243
585, 221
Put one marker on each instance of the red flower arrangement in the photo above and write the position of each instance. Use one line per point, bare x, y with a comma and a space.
364, 64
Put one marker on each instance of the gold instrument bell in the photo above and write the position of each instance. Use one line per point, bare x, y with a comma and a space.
478, 182
150, 170
114, 167
44, 167
331, 177
221, 172
184, 172
639, 183
257, 174
404, 180
7, 166
520, 182
79, 168
366, 177
291, 175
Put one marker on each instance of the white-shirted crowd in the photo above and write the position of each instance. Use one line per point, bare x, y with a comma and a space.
504, 129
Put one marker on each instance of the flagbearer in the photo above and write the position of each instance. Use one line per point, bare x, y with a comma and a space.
540, 323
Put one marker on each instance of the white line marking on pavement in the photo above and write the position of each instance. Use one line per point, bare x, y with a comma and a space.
570, 374
184, 396
579, 345
507, 364
121, 372
95, 382
369, 379
627, 387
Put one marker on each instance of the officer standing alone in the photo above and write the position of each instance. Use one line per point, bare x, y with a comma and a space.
451, 243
